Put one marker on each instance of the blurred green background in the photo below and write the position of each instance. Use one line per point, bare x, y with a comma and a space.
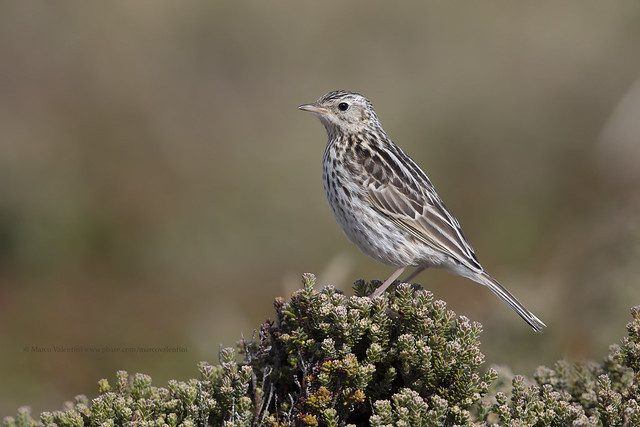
160, 188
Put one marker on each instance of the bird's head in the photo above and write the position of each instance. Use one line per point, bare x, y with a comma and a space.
344, 112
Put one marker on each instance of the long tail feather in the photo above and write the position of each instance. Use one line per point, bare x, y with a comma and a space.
485, 279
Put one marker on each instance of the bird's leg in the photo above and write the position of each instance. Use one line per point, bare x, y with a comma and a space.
414, 274
387, 282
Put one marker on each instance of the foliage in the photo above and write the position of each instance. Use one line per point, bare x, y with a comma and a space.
401, 359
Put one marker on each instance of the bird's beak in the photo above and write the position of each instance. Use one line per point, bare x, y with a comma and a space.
313, 108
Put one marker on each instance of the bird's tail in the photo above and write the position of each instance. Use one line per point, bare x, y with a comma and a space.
485, 279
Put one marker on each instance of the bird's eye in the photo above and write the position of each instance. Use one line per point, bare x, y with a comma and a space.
343, 106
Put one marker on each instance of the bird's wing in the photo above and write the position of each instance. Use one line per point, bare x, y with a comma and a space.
416, 208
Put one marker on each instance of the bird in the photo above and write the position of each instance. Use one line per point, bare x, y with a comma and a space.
386, 205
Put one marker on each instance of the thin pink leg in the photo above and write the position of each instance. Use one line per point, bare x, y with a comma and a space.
414, 274
387, 282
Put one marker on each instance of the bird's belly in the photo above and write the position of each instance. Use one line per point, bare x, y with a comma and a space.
375, 235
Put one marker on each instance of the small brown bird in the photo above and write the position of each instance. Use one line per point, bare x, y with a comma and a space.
386, 204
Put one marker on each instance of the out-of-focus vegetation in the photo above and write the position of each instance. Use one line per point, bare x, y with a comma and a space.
159, 188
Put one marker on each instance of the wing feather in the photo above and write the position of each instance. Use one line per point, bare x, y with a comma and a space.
419, 211
400, 191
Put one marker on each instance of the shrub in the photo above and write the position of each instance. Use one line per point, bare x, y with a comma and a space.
402, 359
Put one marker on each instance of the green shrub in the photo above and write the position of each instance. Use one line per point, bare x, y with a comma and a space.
402, 359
